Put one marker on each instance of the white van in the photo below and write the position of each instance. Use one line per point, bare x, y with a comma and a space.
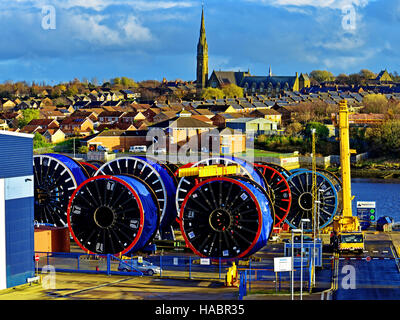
138, 149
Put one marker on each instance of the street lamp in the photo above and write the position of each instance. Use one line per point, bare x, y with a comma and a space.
301, 265
292, 275
317, 205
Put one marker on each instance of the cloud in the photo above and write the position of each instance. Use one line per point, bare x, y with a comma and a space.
332, 4
134, 30
100, 5
348, 62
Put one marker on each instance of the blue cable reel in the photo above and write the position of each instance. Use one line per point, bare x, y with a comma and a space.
246, 169
158, 177
56, 177
300, 183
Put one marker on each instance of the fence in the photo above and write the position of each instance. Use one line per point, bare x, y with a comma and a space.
185, 267
266, 280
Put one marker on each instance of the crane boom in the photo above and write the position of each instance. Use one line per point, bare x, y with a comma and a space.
346, 227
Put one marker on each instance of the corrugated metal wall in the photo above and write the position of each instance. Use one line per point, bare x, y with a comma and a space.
16, 168
15, 153
19, 241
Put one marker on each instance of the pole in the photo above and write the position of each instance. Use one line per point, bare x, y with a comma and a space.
292, 265
301, 264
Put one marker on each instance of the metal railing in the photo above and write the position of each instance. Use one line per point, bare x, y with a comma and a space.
182, 267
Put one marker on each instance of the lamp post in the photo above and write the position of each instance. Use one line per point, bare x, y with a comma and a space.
301, 262
292, 275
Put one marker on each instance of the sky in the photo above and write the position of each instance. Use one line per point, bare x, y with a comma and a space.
59, 40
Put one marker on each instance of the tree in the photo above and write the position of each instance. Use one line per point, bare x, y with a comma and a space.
342, 79
375, 103
27, 116
72, 90
83, 149
293, 129
128, 83
232, 90
322, 75
212, 93
39, 141
321, 130
384, 139
367, 74
355, 79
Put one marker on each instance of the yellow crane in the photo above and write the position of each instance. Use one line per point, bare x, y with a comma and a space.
346, 227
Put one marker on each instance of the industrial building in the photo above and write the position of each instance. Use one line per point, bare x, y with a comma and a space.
16, 209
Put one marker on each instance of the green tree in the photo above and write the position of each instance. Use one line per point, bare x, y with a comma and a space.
27, 116
375, 103
116, 81
83, 149
72, 90
322, 75
342, 79
211, 93
367, 74
293, 129
321, 130
355, 79
128, 83
39, 141
232, 90
384, 139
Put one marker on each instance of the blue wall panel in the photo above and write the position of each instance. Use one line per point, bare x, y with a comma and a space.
16, 156
20, 240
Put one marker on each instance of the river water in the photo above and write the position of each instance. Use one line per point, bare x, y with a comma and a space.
386, 194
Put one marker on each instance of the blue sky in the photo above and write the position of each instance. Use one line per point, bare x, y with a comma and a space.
152, 39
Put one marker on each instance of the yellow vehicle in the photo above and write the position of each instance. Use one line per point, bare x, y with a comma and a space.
350, 242
347, 235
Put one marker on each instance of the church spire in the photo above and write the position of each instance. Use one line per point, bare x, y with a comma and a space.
202, 55
203, 25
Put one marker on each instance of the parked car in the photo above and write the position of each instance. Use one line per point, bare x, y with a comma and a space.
133, 265
138, 149
160, 151
102, 148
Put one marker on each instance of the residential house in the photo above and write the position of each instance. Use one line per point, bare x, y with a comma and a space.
8, 105
52, 114
131, 117
219, 121
3, 125
76, 126
129, 94
269, 114
288, 113
92, 115
256, 126
45, 123
183, 129
110, 116
232, 141
54, 135
116, 126
164, 116
116, 139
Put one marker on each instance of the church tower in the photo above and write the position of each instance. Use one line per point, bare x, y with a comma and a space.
202, 57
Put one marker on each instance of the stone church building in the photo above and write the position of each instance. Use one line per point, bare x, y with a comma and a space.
268, 84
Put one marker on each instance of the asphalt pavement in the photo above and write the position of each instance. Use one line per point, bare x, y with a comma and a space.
374, 275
